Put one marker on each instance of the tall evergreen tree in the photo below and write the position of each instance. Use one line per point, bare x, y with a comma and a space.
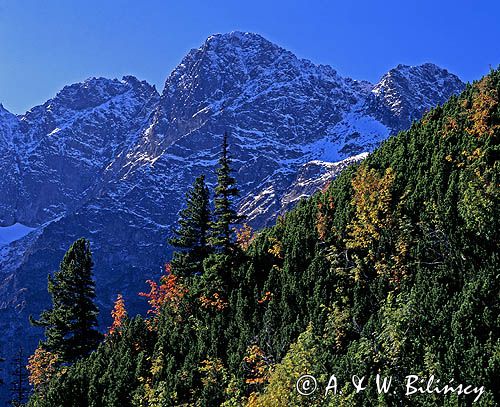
190, 238
19, 386
222, 236
71, 324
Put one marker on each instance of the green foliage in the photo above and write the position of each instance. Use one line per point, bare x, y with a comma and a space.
108, 377
225, 216
190, 238
70, 325
299, 360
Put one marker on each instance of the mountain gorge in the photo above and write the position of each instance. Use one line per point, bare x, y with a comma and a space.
111, 159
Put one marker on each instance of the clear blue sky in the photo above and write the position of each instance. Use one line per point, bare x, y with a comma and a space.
45, 45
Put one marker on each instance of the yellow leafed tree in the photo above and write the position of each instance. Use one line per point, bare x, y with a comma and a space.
372, 198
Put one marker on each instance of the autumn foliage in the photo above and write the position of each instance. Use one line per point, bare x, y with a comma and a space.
268, 296
215, 302
481, 112
244, 236
42, 366
119, 314
322, 217
276, 249
257, 365
371, 200
168, 292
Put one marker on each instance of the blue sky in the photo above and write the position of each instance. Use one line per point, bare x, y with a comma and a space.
46, 45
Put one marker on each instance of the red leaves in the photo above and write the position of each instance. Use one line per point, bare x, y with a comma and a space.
169, 291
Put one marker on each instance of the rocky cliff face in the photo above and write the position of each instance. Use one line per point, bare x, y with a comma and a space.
62, 148
111, 159
405, 93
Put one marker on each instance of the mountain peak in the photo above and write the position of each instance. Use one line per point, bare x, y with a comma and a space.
240, 45
237, 39
137, 83
8, 122
405, 92
235, 36
90, 94
92, 91
229, 59
6, 116
426, 70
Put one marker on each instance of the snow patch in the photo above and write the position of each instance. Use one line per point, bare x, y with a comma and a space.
9, 234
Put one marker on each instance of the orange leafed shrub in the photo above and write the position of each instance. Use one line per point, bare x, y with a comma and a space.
321, 220
450, 126
323, 226
42, 365
326, 186
257, 364
169, 291
119, 314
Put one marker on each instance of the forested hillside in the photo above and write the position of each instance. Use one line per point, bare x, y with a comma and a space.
392, 270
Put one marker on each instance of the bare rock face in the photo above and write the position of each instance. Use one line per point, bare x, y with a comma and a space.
9, 185
405, 93
110, 160
314, 176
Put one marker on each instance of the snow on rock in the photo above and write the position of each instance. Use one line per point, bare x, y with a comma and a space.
405, 93
314, 176
9, 234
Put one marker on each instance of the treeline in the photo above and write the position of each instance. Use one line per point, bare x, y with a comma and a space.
392, 270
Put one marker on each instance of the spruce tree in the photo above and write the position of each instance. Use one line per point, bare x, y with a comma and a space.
217, 280
222, 230
70, 325
190, 238
19, 386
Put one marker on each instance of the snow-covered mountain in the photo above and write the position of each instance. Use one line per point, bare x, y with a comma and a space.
110, 160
